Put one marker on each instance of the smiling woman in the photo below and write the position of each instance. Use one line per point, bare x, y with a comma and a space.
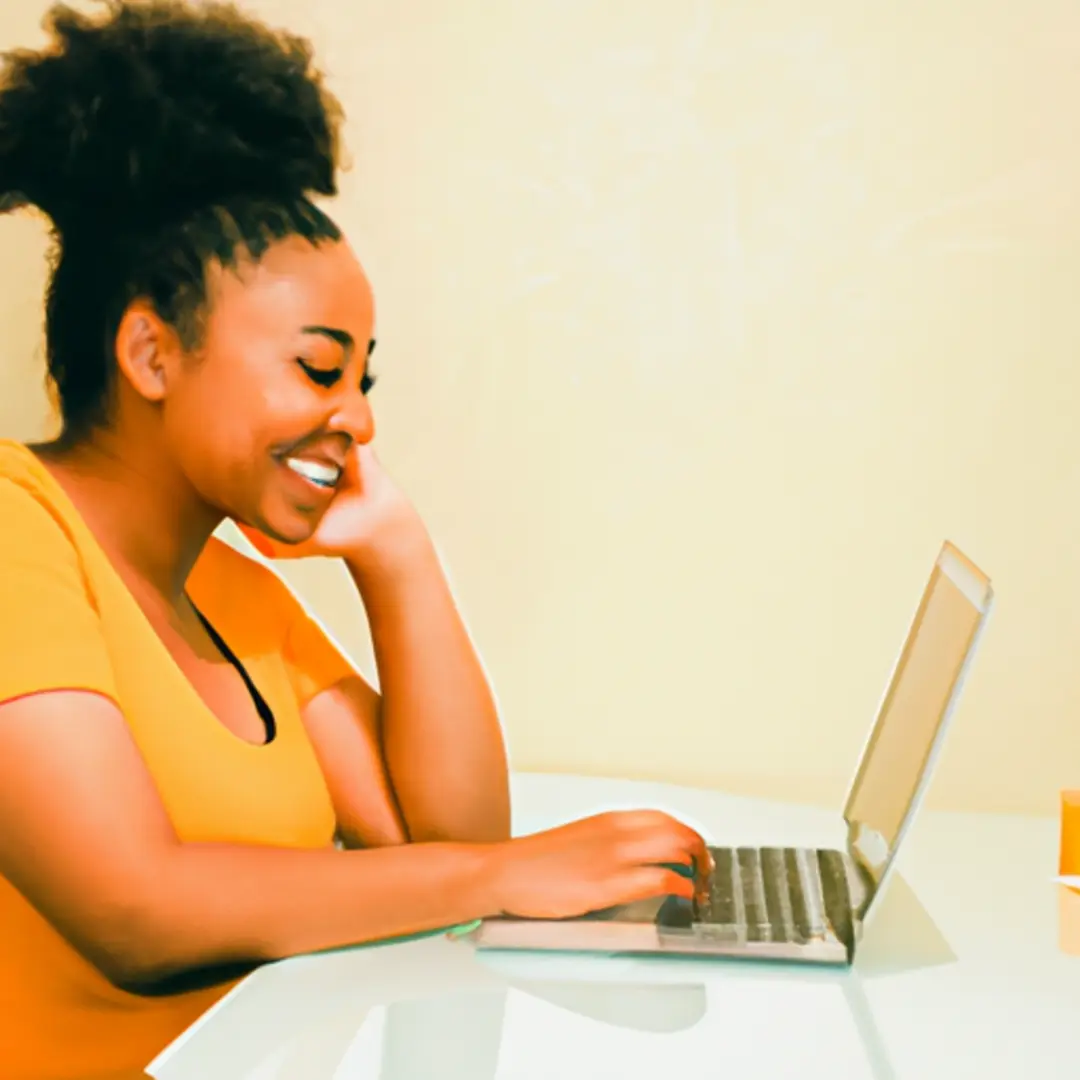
193, 780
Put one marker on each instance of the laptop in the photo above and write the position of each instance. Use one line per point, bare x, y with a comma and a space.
810, 904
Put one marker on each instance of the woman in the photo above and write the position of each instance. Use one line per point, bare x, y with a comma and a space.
193, 780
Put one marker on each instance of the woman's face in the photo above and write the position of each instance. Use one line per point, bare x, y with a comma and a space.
260, 421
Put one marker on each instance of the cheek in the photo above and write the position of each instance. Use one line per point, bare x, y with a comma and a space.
202, 405
213, 428
234, 427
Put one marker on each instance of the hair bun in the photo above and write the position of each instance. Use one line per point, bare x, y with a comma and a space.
160, 108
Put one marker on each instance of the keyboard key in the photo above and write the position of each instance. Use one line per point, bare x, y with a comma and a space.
753, 892
722, 907
815, 901
777, 894
797, 886
834, 884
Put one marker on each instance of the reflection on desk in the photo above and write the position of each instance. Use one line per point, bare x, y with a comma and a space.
519, 1015
957, 968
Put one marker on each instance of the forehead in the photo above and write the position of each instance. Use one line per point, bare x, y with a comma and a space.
294, 284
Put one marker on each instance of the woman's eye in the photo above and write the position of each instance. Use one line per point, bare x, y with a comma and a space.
367, 382
319, 376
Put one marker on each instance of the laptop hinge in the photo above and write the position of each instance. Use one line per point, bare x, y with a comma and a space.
867, 873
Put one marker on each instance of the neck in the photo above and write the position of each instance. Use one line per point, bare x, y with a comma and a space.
139, 505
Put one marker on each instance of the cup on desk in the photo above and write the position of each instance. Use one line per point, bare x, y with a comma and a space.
1069, 866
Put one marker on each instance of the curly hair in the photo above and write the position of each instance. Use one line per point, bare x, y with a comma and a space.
156, 139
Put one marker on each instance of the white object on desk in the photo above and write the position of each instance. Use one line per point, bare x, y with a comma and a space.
960, 976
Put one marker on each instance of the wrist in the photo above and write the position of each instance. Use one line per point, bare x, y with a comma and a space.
395, 548
490, 877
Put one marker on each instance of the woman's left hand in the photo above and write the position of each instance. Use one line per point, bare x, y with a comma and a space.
368, 510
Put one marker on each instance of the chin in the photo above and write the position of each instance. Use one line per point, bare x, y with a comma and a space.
293, 532
286, 526
291, 537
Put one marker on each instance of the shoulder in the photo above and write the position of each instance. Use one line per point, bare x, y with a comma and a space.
32, 524
27, 491
21, 504
35, 511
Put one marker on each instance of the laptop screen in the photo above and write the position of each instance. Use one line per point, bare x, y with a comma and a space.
925, 685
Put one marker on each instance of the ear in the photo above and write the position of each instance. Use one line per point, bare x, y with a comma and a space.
147, 351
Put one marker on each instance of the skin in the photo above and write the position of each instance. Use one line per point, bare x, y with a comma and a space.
417, 773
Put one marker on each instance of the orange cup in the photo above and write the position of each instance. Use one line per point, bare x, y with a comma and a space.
1069, 857
1069, 863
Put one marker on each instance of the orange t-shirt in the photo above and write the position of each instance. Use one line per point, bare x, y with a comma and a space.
69, 622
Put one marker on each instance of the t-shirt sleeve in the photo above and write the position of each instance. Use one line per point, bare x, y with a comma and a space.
313, 661
50, 633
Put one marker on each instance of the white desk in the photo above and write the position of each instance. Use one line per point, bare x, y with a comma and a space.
965, 981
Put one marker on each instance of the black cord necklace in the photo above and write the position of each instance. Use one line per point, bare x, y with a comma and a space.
261, 707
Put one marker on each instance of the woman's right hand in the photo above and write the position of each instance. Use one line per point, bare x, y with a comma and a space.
595, 863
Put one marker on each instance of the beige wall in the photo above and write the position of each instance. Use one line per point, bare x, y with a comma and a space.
701, 327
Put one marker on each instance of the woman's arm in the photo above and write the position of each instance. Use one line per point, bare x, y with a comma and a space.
435, 716
430, 741
343, 724
84, 836
425, 759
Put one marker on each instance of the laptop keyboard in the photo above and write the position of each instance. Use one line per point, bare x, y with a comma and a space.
777, 894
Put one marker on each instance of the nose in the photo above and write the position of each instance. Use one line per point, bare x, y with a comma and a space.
353, 417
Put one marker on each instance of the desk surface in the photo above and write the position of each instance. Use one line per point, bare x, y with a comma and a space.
959, 975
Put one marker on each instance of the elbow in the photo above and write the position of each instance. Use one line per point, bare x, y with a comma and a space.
126, 941
133, 976
151, 964
126, 953
151, 948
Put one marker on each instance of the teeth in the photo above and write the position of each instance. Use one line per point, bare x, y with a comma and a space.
323, 475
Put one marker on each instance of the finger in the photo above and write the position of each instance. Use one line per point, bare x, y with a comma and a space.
703, 861
356, 464
641, 820
672, 838
647, 882
659, 846
695, 846
644, 820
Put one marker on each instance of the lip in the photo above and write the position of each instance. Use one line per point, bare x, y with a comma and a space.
303, 484
329, 452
